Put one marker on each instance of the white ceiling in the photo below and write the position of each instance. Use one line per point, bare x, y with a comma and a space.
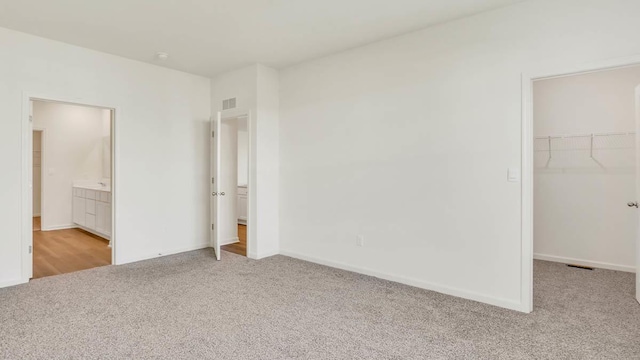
207, 37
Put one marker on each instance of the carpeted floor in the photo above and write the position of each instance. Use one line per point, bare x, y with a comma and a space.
189, 306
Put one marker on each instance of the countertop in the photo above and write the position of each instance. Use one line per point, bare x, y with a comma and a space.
96, 187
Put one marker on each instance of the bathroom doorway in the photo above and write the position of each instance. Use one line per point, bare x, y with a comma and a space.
72, 180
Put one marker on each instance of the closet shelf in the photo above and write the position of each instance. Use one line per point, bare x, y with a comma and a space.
585, 142
569, 136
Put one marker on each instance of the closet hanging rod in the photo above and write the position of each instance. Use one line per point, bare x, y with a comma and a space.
586, 135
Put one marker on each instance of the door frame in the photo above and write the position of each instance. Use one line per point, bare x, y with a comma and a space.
42, 178
527, 170
27, 176
43, 141
252, 241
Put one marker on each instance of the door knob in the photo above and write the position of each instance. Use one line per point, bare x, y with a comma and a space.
222, 194
632, 204
214, 193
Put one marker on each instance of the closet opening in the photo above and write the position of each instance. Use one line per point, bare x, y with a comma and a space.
585, 186
71, 201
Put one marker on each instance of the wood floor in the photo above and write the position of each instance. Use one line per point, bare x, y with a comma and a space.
64, 251
240, 247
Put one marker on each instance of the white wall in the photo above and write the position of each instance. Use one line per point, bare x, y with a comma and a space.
268, 162
162, 142
256, 89
73, 152
407, 141
580, 211
106, 146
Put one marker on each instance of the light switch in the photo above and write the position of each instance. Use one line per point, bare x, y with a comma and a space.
513, 174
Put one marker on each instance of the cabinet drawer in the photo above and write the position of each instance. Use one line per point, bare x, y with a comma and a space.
90, 194
78, 192
90, 206
103, 196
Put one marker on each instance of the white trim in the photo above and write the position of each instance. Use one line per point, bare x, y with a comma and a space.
94, 232
200, 246
264, 254
26, 226
230, 241
59, 227
12, 283
581, 262
116, 116
527, 160
43, 166
44, 154
469, 295
526, 193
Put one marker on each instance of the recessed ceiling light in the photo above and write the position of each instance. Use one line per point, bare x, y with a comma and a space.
162, 56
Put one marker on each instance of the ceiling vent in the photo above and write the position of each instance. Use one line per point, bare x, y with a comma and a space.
229, 104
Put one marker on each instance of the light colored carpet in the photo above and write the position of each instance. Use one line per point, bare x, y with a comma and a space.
190, 306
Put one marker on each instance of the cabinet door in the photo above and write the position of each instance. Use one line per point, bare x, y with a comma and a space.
90, 206
78, 210
242, 207
100, 217
90, 221
107, 219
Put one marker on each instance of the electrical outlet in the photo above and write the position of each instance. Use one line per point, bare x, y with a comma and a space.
360, 240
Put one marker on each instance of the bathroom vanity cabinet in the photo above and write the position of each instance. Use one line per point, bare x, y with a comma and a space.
92, 210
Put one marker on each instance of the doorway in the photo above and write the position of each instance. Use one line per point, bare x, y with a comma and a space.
72, 179
231, 184
579, 173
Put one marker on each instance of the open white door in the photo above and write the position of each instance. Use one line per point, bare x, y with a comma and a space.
638, 191
227, 179
216, 124
224, 182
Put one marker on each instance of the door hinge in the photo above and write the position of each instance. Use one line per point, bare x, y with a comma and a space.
212, 227
30, 249
213, 134
31, 118
213, 180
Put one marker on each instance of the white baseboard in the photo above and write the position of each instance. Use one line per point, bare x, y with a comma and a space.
58, 227
264, 254
163, 253
94, 232
594, 264
469, 295
13, 282
230, 241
